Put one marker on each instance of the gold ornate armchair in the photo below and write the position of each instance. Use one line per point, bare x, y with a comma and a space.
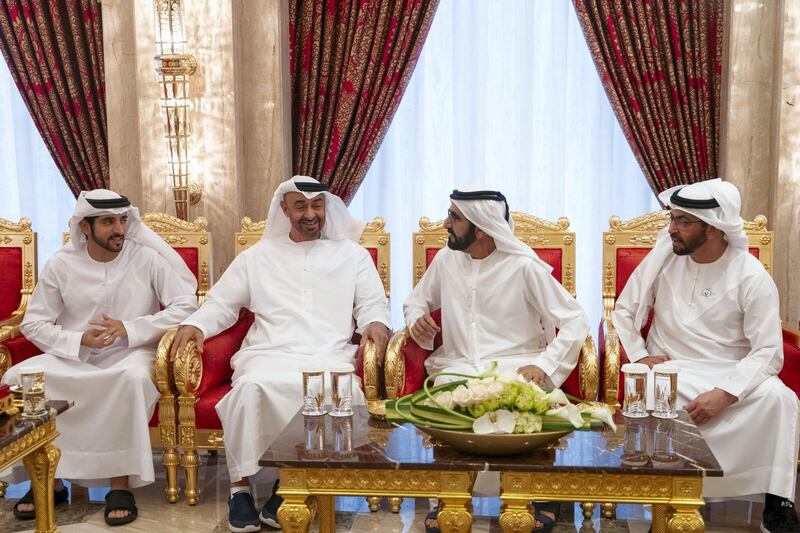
404, 370
17, 269
203, 379
625, 245
193, 242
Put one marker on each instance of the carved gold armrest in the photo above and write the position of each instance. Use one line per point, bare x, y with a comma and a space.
163, 376
588, 370
371, 371
7, 332
394, 365
611, 364
14, 320
188, 369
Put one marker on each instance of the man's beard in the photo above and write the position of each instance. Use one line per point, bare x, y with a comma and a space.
461, 243
304, 230
688, 247
107, 244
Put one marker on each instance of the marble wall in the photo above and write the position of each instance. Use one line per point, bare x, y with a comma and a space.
240, 134
761, 128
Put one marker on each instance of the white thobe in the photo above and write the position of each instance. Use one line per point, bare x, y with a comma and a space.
106, 433
719, 323
493, 309
307, 299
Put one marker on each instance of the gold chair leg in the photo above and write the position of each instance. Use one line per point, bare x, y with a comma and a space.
190, 462
608, 510
394, 503
171, 463
588, 510
3, 486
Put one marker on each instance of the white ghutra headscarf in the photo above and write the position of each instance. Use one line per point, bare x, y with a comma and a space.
138, 232
339, 224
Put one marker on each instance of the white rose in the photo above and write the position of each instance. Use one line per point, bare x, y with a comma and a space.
479, 393
495, 390
461, 396
445, 399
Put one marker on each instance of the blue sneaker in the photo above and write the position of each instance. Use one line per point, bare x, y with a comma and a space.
269, 513
242, 513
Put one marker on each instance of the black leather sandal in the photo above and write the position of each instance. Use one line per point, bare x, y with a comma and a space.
59, 497
120, 500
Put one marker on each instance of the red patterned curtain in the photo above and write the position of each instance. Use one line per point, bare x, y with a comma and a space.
54, 50
660, 64
350, 63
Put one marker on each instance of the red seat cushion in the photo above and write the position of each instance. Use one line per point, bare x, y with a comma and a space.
205, 409
21, 349
10, 280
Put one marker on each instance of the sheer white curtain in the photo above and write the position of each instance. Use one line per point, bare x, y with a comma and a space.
506, 95
30, 184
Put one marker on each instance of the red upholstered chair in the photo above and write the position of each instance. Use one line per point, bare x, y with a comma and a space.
404, 370
17, 269
625, 244
202, 380
193, 242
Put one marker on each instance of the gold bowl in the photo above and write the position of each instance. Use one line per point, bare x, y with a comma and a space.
494, 444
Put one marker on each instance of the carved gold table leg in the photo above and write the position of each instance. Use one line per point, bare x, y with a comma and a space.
588, 509
516, 516
394, 503
659, 518
685, 519
327, 514
374, 503
454, 515
41, 467
608, 510
294, 514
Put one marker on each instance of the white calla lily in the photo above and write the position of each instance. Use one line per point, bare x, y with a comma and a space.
568, 412
600, 412
500, 421
557, 396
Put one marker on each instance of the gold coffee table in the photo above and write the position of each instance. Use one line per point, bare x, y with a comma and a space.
661, 462
31, 441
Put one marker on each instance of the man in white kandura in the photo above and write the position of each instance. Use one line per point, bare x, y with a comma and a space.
500, 304
96, 314
309, 284
716, 318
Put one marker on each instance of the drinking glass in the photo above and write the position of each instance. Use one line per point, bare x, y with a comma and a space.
34, 403
343, 436
665, 377
315, 436
314, 392
635, 404
342, 390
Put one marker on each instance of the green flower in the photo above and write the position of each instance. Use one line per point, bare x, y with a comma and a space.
527, 422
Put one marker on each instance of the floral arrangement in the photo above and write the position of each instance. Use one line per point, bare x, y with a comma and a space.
495, 403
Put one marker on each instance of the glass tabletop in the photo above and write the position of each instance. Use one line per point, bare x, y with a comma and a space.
13, 428
641, 446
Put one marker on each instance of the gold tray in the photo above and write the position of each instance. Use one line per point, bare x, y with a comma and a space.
497, 444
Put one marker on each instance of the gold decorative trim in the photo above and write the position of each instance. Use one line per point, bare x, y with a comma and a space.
21, 447
187, 369
370, 371
165, 223
611, 364
394, 365
23, 226
588, 370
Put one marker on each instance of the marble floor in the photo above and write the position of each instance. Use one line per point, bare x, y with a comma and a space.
85, 511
